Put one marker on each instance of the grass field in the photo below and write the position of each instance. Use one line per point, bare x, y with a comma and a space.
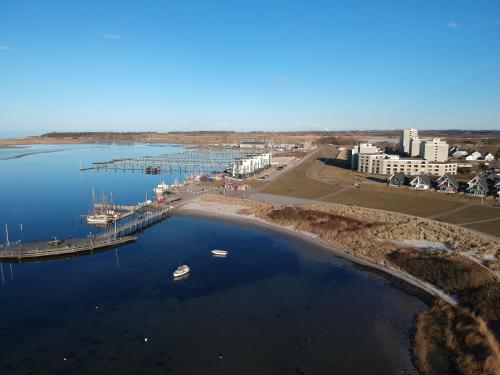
295, 183
416, 204
490, 227
473, 213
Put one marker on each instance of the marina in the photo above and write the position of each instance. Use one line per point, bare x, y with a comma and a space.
195, 161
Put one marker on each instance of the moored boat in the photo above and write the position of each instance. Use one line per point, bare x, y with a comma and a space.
100, 219
220, 253
181, 271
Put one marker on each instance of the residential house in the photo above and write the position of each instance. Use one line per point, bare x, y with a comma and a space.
447, 184
459, 154
497, 189
421, 182
489, 157
474, 156
478, 187
397, 179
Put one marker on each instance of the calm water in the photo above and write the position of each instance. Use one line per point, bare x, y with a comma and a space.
275, 305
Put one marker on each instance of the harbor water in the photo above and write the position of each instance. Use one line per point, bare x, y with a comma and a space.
275, 305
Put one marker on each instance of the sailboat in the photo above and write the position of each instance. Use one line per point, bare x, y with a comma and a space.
99, 217
181, 271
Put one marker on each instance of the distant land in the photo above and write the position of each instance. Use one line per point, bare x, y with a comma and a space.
481, 138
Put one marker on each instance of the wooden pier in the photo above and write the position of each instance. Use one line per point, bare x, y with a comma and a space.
115, 236
35, 250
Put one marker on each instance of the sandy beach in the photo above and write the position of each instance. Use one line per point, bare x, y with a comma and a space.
231, 212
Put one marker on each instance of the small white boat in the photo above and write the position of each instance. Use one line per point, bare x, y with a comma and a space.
100, 219
182, 270
219, 253
161, 189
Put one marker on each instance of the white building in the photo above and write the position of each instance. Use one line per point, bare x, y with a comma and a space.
474, 156
363, 148
433, 150
459, 154
489, 157
404, 140
390, 164
253, 144
415, 147
421, 182
251, 164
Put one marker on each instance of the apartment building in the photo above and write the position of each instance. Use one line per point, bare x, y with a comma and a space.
363, 148
432, 149
251, 164
415, 147
389, 164
405, 139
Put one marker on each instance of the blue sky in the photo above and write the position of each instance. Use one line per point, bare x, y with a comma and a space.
249, 65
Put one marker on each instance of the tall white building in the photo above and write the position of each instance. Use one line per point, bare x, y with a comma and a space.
433, 150
404, 140
415, 147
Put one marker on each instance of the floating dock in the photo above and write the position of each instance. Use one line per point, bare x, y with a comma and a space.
188, 161
33, 250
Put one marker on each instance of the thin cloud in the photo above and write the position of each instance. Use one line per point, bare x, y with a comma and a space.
452, 25
498, 21
4, 48
281, 80
112, 36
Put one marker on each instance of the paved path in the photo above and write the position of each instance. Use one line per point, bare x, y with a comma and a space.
480, 221
345, 188
444, 213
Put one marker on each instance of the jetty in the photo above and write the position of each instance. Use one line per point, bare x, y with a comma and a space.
114, 236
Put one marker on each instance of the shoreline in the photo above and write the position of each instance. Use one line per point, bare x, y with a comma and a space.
397, 278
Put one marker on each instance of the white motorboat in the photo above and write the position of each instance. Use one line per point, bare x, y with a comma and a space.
219, 253
100, 219
161, 189
181, 271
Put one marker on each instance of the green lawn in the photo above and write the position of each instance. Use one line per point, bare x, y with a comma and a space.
295, 183
473, 213
490, 227
416, 204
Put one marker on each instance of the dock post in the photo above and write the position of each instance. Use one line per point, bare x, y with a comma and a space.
7, 235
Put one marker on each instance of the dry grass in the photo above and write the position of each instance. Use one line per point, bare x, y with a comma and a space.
396, 227
448, 271
452, 340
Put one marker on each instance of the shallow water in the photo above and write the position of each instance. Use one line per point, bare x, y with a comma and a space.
276, 305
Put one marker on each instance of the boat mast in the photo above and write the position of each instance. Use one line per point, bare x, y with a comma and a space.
93, 201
